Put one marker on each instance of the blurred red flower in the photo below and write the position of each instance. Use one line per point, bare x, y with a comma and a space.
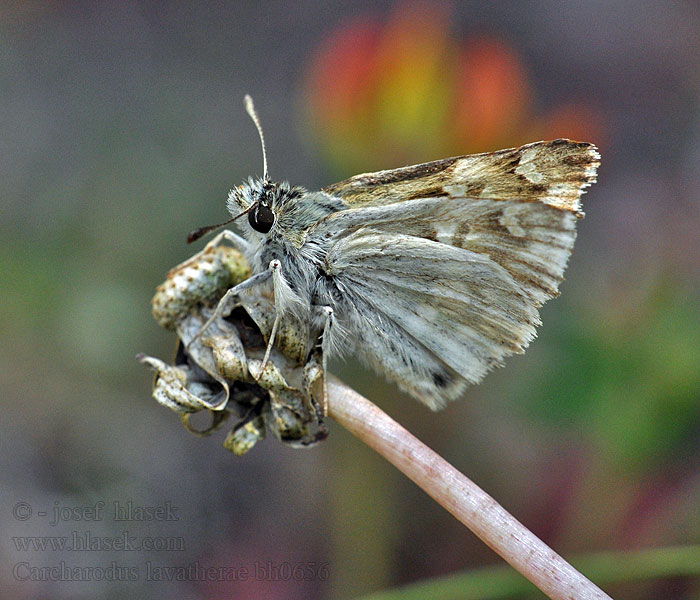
404, 91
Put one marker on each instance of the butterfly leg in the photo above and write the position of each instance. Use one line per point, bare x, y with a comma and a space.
329, 321
230, 299
236, 240
281, 290
270, 343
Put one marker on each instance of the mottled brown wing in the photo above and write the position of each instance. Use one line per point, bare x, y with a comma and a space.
553, 173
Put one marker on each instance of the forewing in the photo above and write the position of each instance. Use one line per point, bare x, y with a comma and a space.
553, 172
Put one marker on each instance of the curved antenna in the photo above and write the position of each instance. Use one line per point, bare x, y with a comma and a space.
193, 236
250, 109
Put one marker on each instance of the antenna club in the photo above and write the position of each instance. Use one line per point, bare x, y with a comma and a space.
249, 106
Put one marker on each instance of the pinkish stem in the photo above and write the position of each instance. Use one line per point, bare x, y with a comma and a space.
497, 528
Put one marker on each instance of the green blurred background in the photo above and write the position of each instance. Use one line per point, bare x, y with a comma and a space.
122, 128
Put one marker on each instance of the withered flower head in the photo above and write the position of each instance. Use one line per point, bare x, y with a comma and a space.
219, 370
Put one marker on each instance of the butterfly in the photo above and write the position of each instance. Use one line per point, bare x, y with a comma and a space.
431, 274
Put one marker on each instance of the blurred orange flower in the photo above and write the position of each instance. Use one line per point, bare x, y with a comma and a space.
386, 94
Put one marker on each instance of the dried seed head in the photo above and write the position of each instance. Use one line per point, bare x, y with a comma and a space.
202, 279
216, 371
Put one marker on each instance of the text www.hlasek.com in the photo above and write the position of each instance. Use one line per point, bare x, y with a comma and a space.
87, 542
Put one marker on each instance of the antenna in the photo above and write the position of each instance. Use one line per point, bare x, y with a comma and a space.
250, 109
193, 236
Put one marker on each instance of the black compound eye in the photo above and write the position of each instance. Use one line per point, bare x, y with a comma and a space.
261, 218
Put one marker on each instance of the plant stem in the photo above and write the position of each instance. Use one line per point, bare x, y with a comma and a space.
497, 528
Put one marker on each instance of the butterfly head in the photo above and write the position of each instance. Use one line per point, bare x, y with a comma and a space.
267, 204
